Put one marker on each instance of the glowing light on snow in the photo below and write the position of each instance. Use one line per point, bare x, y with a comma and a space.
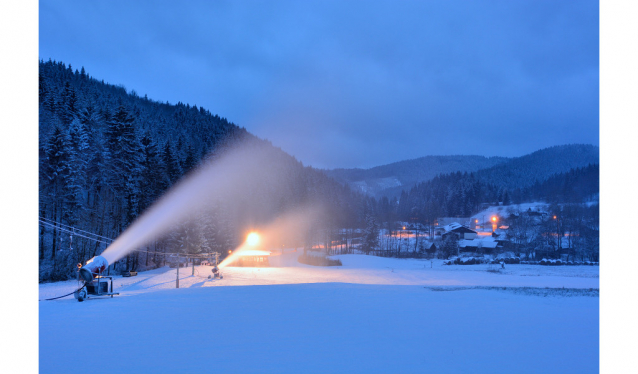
253, 252
290, 226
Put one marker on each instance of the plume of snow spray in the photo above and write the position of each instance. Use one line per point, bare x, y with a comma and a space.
222, 178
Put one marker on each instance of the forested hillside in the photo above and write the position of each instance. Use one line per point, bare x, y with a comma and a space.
447, 195
575, 186
106, 155
524, 171
460, 194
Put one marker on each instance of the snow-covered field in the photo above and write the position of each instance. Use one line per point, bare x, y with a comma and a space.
371, 315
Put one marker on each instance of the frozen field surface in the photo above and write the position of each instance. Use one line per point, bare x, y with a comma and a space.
372, 315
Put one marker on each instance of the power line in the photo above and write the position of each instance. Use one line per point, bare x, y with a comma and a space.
74, 228
72, 231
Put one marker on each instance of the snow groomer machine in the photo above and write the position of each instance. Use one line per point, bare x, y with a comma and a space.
95, 284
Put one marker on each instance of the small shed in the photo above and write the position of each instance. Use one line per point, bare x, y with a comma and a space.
427, 246
251, 258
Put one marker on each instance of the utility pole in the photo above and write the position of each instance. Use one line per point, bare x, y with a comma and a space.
399, 248
558, 246
193, 263
177, 279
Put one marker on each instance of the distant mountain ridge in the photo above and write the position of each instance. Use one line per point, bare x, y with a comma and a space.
518, 172
521, 172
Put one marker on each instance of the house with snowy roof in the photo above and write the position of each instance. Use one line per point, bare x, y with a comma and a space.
481, 244
456, 229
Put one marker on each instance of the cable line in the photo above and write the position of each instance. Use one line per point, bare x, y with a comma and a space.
75, 233
72, 230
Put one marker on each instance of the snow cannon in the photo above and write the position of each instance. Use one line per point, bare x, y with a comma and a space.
95, 284
93, 268
216, 273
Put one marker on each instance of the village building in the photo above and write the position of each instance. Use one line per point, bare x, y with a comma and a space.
480, 245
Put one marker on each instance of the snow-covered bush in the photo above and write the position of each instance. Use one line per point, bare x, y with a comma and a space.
507, 260
318, 260
466, 261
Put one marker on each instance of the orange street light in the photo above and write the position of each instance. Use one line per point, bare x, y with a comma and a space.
494, 219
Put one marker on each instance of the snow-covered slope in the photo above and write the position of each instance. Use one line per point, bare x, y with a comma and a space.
371, 315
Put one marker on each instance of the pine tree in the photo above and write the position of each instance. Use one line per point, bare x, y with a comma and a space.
124, 159
371, 234
68, 104
42, 89
78, 162
57, 173
151, 172
189, 161
450, 246
171, 165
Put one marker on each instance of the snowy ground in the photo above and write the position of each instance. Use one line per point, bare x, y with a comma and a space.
372, 315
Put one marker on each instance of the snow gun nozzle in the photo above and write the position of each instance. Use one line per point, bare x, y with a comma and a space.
93, 267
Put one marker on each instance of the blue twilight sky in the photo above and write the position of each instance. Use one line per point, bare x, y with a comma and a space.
353, 83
